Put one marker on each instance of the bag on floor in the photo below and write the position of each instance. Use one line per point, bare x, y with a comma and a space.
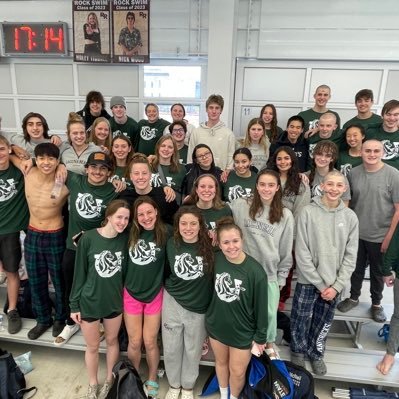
303, 381
267, 379
12, 381
127, 382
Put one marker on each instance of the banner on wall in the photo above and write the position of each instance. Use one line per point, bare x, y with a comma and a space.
131, 31
91, 31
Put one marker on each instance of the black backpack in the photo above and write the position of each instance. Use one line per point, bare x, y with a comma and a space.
12, 381
303, 381
127, 382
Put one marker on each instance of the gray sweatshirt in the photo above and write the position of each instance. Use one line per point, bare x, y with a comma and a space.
326, 245
270, 244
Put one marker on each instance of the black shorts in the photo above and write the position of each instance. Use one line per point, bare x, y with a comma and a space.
92, 319
10, 252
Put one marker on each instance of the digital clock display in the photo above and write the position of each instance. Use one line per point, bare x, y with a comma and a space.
34, 38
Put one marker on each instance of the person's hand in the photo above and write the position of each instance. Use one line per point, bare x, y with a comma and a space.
151, 159
328, 294
76, 317
61, 173
26, 166
56, 140
304, 179
212, 234
104, 149
311, 132
225, 175
257, 349
389, 280
120, 185
20, 152
170, 194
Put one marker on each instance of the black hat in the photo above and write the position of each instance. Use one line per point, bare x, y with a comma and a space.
99, 158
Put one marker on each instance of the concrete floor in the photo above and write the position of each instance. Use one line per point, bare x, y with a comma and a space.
61, 374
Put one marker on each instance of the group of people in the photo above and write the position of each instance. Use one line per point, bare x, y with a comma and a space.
190, 231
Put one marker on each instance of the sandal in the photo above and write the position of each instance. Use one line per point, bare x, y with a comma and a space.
151, 388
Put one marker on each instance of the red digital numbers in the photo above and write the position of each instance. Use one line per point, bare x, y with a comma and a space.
50, 37
34, 38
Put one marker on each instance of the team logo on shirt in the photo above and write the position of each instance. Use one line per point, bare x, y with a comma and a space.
238, 192
155, 180
226, 290
391, 149
87, 206
147, 133
144, 253
186, 268
345, 169
316, 190
314, 124
107, 263
7, 189
311, 149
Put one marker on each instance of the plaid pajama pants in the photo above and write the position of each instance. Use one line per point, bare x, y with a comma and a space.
311, 319
43, 256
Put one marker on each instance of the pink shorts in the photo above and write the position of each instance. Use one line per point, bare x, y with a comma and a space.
133, 306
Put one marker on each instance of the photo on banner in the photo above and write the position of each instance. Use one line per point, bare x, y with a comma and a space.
131, 31
91, 31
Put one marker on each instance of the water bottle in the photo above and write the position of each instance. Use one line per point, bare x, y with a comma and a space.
56, 191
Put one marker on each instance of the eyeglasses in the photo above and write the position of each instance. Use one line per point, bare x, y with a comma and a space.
203, 156
181, 130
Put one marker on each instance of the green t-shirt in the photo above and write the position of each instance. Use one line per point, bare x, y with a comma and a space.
87, 204
14, 209
346, 162
173, 179
129, 129
183, 154
187, 283
100, 265
237, 314
149, 135
145, 268
238, 187
269, 133
390, 141
369, 122
212, 215
119, 173
311, 119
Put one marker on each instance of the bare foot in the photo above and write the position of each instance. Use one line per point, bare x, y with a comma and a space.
385, 365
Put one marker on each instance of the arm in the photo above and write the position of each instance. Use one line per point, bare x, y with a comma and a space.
79, 278
192, 143
391, 230
260, 304
302, 199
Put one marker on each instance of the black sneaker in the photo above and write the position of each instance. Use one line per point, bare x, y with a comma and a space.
14, 322
38, 330
58, 326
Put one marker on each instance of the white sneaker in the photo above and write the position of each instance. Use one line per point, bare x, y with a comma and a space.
66, 334
173, 393
187, 394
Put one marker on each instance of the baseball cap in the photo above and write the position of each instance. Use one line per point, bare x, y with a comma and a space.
99, 158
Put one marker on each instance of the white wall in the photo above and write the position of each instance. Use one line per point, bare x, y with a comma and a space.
345, 43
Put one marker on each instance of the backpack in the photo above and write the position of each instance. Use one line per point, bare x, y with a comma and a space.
127, 382
303, 381
267, 379
12, 381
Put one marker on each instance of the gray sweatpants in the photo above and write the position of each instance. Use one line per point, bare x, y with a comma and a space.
183, 333
393, 340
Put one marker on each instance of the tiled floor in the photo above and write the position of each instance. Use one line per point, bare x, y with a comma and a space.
60, 373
